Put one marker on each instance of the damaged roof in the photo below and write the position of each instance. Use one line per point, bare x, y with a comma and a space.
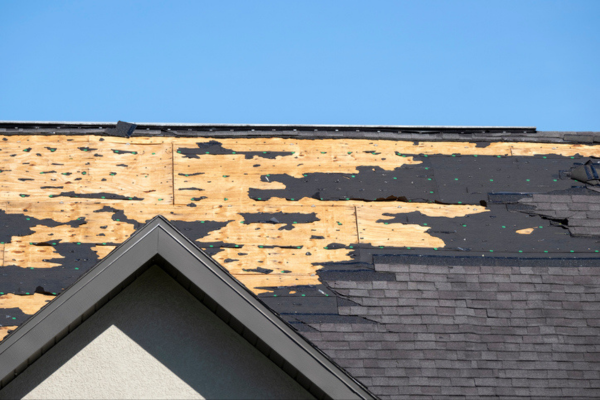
158, 243
338, 230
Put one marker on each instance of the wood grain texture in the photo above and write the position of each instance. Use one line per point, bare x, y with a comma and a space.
129, 181
229, 176
4, 331
375, 226
526, 231
23, 254
28, 304
50, 169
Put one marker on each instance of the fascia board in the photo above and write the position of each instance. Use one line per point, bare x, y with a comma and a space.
218, 284
159, 238
258, 126
68, 309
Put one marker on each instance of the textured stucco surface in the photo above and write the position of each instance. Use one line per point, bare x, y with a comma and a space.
154, 340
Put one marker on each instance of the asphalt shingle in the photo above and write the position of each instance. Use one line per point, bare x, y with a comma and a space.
473, 331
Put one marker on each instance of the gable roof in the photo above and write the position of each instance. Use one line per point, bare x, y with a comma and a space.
336, 228
158, 242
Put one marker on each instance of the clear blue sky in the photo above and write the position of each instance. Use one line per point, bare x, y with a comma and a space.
532, 63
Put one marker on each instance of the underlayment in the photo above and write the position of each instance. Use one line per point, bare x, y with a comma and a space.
410, 182
469, 179
290, 219
216, 148
21, 225
511, 187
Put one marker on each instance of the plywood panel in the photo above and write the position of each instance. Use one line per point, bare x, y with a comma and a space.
4, 331
229, 176
263, 283
279, 260
296, 248
29, 304
335, 224
22, 253
51, 170
153, 170
527, 231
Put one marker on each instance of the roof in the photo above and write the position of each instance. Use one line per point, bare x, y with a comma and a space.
309, 217
386, 132
159, 243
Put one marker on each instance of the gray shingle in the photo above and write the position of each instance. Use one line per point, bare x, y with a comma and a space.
506, 331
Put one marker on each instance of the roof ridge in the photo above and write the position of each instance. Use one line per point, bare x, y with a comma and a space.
270, 126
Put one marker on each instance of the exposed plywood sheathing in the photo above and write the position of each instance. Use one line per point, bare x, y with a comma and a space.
103, 251
24, 254
527, 231
4, 330
28, 304
50, 168
297, 250
68, 194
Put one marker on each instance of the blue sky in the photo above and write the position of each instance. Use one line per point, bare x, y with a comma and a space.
525, 63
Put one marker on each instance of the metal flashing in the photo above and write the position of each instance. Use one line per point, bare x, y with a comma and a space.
159, 242
270, 126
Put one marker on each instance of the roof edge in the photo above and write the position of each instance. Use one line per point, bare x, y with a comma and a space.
159, 242
272, 126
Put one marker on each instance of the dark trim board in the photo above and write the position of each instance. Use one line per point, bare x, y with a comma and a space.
298, 131
158, 242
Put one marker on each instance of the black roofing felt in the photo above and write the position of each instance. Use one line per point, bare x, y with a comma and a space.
558, 195
158, 242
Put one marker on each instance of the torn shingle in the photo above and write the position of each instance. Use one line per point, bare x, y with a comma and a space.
123, 129
587, 173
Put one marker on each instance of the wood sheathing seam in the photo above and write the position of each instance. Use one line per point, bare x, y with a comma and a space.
96, 191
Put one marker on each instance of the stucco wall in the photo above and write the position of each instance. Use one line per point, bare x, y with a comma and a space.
154, 340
